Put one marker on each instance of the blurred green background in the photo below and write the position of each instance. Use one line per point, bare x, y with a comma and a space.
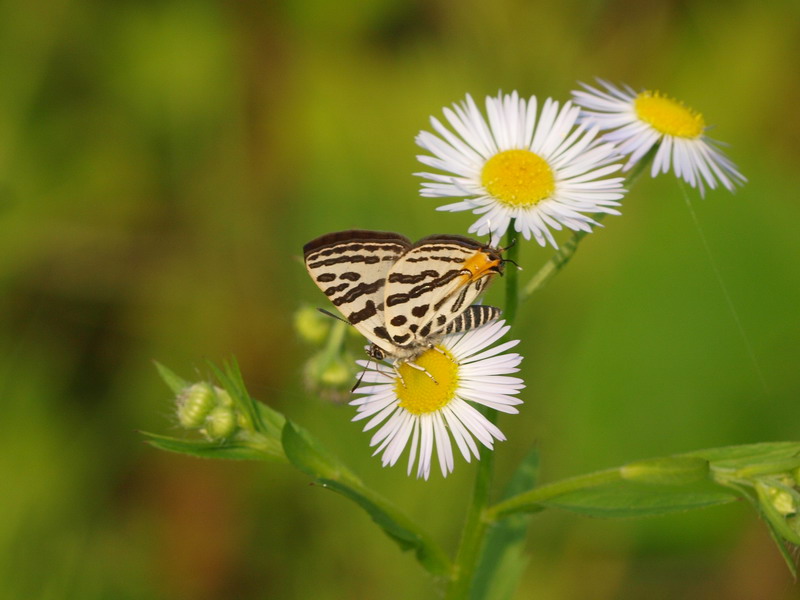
161, 166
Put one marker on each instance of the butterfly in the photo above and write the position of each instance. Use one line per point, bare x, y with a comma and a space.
404, 296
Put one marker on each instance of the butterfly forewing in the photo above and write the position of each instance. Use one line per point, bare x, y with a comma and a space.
433, 283
351, 269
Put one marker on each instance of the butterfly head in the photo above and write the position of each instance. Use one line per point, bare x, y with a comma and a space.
375, 352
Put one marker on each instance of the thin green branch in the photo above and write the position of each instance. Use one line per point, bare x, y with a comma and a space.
534, 499
511, 275
563, 255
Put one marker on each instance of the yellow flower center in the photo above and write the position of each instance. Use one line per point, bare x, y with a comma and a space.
669, 116
518, 178
421, 394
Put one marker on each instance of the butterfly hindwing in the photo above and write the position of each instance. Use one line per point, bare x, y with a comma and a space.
472, 318
433, 282
351, 269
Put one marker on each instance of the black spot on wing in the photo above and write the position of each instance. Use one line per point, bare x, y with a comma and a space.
399, 320
369, 259
401, 278
419, 311
357, 291
401, 339
414, 259
424, 288
381, 333
335, 289
459, 301
350, 276
326, 277
365, 313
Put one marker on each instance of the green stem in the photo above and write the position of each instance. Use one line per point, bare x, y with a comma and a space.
563, 255
333, 346
472, 538
511, 275
533, 500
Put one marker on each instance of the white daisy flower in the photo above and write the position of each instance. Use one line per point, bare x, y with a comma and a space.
636, 122
430, 408
541, 170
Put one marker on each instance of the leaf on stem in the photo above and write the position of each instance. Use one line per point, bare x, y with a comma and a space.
207, 449
305, 453
637, 499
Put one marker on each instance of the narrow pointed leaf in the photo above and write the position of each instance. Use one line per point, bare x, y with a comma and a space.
205, 449
175, 383
635, 499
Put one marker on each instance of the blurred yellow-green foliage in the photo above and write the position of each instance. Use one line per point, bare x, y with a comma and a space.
162, 164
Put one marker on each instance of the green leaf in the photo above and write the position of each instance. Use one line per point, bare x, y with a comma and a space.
502, 560
175, 383
205, 449
305, 453
635, 499
670, 470
753, 459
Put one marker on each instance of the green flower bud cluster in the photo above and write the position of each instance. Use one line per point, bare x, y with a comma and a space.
208, 409
768, 475
331, 370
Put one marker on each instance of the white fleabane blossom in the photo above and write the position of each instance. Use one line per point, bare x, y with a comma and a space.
430, 409
540, 168
635, 122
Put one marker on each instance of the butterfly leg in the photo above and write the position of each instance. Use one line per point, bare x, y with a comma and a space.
423, 369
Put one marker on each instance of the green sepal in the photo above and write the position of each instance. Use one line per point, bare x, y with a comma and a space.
772, 515
305, 453
175, 383
503, 560
636, 499
230, 449
786, 549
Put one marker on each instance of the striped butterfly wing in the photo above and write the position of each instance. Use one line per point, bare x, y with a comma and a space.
434, 282
351, 267
472, 318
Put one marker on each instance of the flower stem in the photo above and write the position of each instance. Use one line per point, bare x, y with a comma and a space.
472, 538
511, 276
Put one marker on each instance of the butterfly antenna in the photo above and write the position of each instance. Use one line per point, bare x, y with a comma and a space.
511, 245
508, 260
360, 379
333, 316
